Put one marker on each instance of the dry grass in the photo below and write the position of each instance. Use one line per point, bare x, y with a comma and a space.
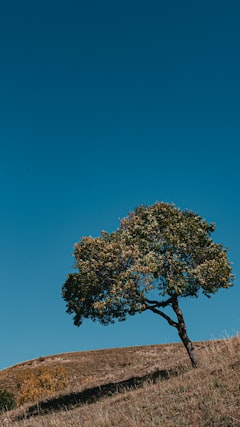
156, 386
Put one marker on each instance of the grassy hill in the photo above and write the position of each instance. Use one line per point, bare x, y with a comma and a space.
133, 387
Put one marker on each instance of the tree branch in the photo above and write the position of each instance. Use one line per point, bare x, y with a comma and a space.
164, 315
155, 303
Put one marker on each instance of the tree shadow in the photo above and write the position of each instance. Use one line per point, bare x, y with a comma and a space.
92, 395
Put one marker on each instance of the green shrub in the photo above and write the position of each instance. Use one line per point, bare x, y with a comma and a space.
7, 400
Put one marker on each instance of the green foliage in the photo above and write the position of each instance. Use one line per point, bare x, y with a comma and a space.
7, 401
158, 253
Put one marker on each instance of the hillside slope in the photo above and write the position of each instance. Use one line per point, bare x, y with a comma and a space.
135, 387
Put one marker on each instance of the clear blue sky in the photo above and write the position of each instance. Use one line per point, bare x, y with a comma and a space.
105, 105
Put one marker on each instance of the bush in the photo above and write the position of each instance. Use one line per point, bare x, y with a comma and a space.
7, 401
40, 384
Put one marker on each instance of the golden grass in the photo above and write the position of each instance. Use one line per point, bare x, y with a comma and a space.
156, 387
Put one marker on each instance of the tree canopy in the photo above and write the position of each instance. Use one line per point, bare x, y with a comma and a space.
158, 254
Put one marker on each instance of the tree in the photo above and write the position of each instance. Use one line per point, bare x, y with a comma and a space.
158, 255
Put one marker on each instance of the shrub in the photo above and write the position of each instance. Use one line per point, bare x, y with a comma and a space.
40, 383
7, 401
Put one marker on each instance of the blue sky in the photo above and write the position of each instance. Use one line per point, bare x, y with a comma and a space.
105, 106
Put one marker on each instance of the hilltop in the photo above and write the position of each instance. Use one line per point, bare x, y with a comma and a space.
134, 386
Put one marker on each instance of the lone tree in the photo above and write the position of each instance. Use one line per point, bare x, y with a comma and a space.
158, 255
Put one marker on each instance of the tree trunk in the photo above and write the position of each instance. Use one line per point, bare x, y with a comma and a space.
189, 347
182, 332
